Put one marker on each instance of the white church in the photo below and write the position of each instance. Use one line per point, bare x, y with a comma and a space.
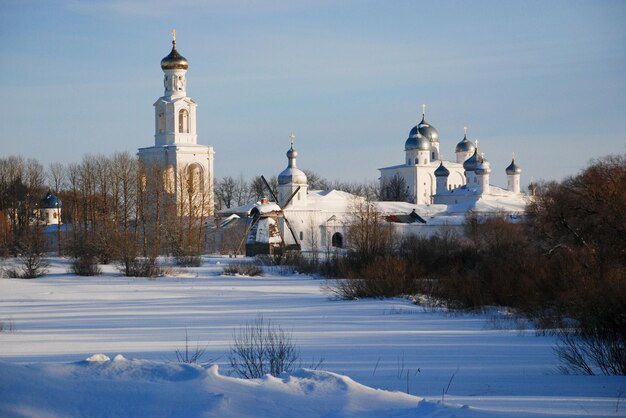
186, 166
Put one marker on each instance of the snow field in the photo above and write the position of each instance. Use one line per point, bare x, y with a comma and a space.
393, 345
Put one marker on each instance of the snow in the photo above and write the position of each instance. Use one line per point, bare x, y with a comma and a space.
57, 360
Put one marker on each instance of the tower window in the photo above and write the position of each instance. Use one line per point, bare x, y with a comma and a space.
301, 236
433, 157
183, 121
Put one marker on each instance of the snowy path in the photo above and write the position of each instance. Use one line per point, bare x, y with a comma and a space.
386, 344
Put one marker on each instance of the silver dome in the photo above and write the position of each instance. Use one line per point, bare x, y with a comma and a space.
292, 174
483, 167
513, 168
427, 130
473, 161
441, 171
465, 145
417, 141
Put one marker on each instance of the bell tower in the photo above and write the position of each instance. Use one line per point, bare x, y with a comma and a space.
187, 166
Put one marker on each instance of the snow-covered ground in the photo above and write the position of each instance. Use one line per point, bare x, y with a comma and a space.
487, 366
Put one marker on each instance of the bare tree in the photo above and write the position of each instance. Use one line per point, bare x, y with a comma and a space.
395, 189
261, 348
225, 191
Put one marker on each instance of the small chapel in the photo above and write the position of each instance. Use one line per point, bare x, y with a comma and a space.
184, 166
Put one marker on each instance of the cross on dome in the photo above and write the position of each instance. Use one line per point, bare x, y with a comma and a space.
423, 110
292, 137
174, 35
465, 130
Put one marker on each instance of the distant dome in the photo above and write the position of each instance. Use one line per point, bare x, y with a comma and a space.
174, 61
472, 162
465, 145
441, 171
483, 167
50, 201
292, 174
513, 168
416, 141
427, 130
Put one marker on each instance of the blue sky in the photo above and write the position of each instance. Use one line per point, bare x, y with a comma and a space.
543, 79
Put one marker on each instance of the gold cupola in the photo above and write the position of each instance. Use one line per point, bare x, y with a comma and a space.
174, 61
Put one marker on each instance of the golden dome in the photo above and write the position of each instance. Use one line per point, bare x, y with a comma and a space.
174, 61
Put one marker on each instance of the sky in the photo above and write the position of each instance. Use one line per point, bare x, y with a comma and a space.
543, 79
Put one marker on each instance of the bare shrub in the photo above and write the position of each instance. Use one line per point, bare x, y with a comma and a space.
243, 269
261, 348
141, 267
7, 326
191, 355
85, 266
188, 260
32, 261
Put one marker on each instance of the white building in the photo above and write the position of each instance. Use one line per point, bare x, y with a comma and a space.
422, 157
442, 193
50, 209
186, 167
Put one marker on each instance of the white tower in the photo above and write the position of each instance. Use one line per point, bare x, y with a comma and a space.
482, 171
187, 168
470, 165
50, 209
513, 174
290, 179
442, 173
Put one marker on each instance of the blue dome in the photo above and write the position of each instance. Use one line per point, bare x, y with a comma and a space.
465, 145
441, 171
473, 161
50, 201
513, 168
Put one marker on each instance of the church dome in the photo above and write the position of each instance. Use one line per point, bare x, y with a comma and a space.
441, 171
483, 167
50, 201
472, 162
465, 145
427, 130
416, 141
292, 174
174, 61
513, 168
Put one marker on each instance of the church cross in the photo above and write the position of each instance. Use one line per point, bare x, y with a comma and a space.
476, 142
465, 130
174, 35
423, 110
292, 137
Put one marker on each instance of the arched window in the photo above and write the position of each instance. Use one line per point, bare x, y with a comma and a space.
416, 161
183, 121
195, 180
337, 240
433, 157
